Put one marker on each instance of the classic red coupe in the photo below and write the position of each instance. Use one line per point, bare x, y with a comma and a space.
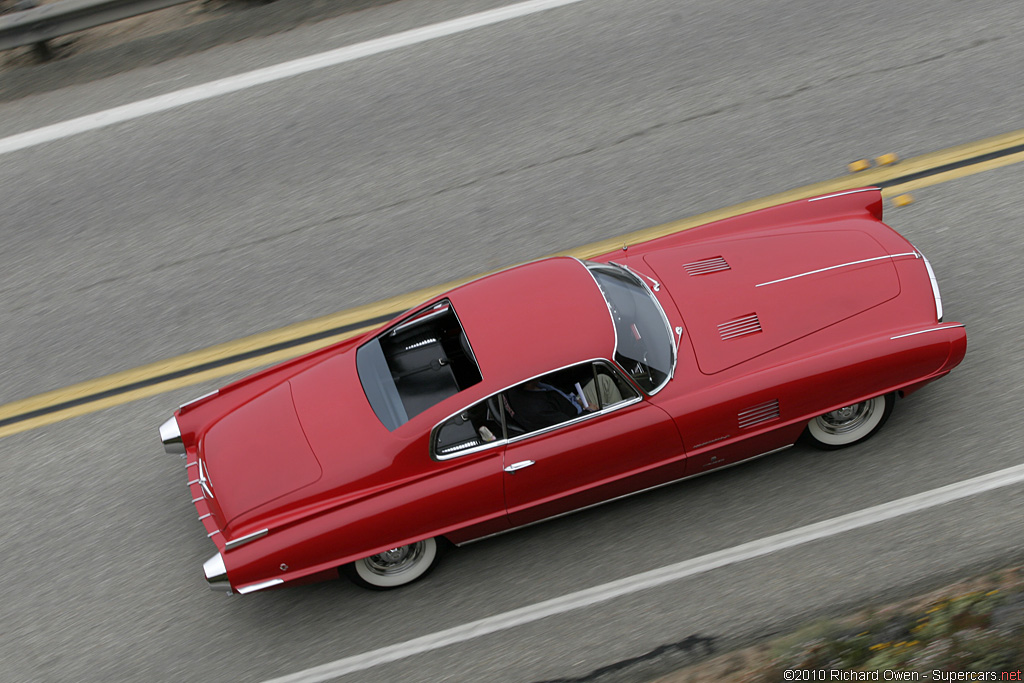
559, 384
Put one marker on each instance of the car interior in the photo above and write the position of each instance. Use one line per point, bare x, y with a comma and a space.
417, 364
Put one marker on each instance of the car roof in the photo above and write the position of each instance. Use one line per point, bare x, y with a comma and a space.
534, 318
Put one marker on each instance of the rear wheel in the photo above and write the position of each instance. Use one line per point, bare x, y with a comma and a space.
850, 424
395, 567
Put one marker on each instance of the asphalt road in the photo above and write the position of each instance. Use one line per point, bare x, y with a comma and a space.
250, 211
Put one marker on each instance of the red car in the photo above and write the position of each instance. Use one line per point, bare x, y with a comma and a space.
559, 384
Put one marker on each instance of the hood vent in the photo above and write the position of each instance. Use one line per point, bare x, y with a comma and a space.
748, 324
708, 265
762, 412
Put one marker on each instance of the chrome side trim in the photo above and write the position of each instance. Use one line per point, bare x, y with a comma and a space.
202, 517
234, 543
841, 265
197, 399
253, 587
931, 329
211, 534
840, 194
627, 495
193, 481
196, 500
194, 463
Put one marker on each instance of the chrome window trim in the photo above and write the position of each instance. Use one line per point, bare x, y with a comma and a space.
661, 309
504, 440
428, 312
628, 495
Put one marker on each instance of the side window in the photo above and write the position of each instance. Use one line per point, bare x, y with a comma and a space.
473, 428
563, 395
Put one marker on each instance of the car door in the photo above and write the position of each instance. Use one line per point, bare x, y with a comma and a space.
623, 444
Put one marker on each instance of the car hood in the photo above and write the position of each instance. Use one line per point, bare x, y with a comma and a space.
740, 298
258, 453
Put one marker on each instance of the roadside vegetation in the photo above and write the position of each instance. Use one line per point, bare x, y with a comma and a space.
975, 625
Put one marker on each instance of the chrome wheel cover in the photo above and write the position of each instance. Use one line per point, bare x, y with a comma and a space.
849, 424
847, 419
396, 560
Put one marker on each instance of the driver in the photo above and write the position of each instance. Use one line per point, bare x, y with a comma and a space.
537, 404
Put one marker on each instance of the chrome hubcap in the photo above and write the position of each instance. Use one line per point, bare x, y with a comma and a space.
395, 560
846, 419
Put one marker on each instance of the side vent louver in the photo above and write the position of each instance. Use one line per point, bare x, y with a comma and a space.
759, 414
748, 324
708, 265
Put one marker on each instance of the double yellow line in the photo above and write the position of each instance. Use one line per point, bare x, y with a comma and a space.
287, 342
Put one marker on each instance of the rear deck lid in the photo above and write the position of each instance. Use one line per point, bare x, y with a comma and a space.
258, 453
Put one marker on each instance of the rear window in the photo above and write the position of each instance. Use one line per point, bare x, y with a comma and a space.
416, 364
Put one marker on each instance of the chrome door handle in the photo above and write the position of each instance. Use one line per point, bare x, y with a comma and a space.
518, 466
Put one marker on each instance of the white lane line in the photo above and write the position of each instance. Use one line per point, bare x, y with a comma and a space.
658, 577
277, 72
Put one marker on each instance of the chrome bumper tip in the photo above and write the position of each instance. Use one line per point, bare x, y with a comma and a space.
216, 574
170, 435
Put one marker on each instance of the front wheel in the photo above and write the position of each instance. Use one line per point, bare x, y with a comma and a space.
850, 424
395, 567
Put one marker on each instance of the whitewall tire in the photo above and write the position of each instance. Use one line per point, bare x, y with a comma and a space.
395, 567
850, 424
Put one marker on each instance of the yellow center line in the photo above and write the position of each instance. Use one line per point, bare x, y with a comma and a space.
90, 393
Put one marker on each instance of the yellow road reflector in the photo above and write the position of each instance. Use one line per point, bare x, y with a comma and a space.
887, 159
902, 200
859, 165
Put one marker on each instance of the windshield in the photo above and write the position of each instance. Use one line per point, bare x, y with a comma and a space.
644, 345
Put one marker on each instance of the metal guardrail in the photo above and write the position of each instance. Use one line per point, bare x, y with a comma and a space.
37, 25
